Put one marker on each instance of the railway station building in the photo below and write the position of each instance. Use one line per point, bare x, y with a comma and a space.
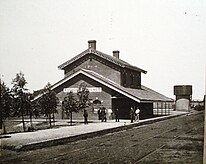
112, 83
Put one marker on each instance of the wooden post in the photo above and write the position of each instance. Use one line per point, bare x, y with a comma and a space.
204, 151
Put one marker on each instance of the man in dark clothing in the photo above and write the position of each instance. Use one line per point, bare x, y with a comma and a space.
85, 116
99, 113
116, 113
132, 113
103, 114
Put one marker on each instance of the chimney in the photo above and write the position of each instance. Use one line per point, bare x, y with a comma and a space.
92, 44
116, 54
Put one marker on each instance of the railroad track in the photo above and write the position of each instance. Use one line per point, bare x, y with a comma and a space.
139, 143
80, 151
105, 157
162, 146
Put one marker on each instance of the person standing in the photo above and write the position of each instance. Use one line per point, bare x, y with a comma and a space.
137, 111
99, 113
103, 114
116, 113
85, 116
132, 114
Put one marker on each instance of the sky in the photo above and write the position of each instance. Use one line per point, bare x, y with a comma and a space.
165, 38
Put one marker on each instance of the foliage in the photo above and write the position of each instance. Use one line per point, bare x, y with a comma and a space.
21, 101
83, 96
48, 102
36, 108
69, 104
19, 83
5, 104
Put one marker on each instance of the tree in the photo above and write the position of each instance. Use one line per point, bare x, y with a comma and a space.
69, 105
48, 102
83, 97
29, 108
5, 104
36, 108
21, 100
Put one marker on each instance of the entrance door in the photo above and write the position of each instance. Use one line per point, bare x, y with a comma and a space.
124, 105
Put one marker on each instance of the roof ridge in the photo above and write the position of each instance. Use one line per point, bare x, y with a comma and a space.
74, 58
110, 58
118, 61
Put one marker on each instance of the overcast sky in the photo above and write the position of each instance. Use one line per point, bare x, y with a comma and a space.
167, 38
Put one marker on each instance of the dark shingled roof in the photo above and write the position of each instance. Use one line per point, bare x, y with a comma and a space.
142, 95
109, 58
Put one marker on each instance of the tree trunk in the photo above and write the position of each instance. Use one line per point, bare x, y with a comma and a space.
50, 120
62, 113
47, 117
22, 116
71, 118
53, 117
4, 127
31, 120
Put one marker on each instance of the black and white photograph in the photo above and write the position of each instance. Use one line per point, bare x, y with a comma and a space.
113, 81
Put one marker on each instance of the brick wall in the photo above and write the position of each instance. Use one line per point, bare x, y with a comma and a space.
125, 77
98, 65
104, 96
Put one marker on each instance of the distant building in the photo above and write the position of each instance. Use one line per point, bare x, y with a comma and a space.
183, 95
112, 82
196, 103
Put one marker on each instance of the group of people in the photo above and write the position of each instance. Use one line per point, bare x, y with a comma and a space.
134, 114
102, 114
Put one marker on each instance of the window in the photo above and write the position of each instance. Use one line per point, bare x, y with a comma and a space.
139, 79
132, 79
124, 78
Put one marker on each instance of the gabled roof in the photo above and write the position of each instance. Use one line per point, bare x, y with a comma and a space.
109, 58
139, 95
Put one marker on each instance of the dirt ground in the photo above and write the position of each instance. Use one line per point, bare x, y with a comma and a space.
14, 125
176, 140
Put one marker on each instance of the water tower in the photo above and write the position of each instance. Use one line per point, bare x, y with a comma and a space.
183, 95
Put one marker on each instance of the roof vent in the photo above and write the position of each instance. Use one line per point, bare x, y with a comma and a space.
116, 54
92, 44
